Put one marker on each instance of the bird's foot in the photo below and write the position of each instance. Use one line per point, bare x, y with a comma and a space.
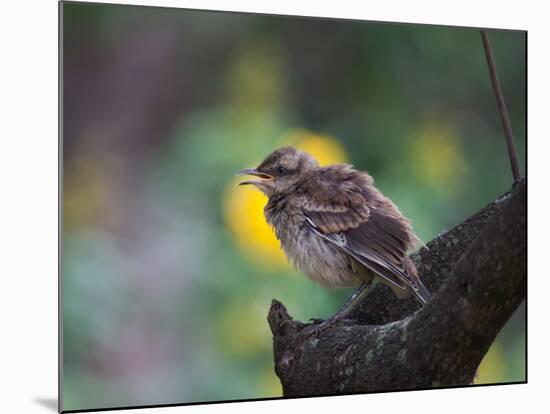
318, 326
316, 320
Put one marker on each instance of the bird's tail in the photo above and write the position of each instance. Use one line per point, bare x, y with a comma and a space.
420, 291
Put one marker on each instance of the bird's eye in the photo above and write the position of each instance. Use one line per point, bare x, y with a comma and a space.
281, 170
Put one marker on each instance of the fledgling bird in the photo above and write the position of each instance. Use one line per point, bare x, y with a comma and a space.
336, 226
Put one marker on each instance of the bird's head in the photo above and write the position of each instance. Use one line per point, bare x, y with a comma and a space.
281, 170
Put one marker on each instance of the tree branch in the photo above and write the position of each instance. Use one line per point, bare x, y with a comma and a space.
433, 263
506, 125
478, 270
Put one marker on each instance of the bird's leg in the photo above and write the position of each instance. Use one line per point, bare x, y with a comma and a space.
348, 306
354, 300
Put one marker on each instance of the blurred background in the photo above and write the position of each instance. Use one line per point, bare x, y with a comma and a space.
168, 267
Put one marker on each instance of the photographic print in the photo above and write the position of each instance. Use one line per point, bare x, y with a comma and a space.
262, 206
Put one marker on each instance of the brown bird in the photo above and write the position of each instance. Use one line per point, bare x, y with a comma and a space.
336, 226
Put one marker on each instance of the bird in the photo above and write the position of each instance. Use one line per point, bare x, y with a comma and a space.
335, 226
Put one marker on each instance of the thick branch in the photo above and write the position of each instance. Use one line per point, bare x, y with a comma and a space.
440, 344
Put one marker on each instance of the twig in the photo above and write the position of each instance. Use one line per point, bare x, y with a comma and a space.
501, 107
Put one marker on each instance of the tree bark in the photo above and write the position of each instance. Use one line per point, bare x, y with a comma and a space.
477, 275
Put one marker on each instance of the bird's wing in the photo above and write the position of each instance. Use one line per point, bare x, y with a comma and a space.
377, 240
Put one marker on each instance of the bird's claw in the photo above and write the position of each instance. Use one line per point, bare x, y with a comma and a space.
316, 320
314, 329
319, 325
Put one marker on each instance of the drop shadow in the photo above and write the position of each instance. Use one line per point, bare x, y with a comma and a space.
49, 403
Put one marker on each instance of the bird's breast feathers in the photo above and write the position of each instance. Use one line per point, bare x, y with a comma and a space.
323, 262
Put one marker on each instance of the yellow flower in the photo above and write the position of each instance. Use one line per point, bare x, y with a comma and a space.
256, 76
324, 148
437, 159
243, 206
492, 367
85, 192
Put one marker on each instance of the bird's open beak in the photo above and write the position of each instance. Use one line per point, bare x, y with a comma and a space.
252, 171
